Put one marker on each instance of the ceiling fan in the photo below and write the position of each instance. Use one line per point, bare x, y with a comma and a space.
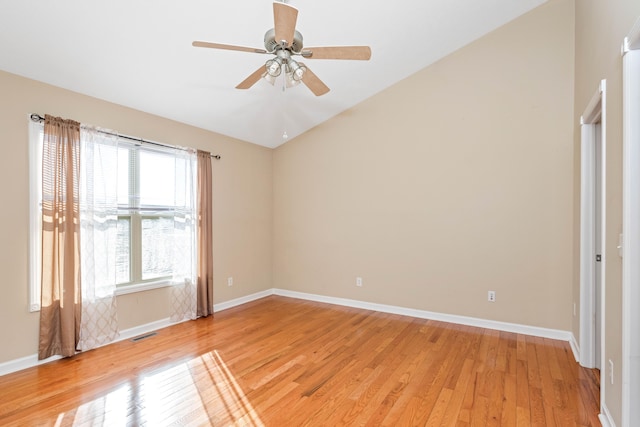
284, 41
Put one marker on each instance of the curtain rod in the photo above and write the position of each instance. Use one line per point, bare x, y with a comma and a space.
38, 118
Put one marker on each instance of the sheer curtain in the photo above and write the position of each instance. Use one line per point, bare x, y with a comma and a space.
184, 289
192, 290
98, 226
61, 300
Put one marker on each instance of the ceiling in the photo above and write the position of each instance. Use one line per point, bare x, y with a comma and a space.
138, 54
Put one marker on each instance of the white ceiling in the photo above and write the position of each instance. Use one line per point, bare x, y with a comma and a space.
138, 53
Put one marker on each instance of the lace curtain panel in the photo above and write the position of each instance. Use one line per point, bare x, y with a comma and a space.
183, 291
98, 237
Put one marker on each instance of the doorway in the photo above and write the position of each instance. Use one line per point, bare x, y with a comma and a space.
592, 231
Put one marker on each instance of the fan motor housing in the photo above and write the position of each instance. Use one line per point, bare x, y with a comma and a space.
270, 43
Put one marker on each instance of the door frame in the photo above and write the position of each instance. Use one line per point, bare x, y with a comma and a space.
631, 228
592, 126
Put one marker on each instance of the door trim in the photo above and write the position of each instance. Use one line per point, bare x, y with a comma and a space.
631, 228
593, 115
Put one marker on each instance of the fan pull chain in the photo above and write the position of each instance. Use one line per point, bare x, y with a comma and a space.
284, 88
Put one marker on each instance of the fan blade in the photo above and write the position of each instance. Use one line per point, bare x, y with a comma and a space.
314, 83
284, 20
362, 53
252, 79
227, 47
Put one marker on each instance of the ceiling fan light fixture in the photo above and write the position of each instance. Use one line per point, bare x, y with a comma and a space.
274, 67
290, 81
269, 78
296, 70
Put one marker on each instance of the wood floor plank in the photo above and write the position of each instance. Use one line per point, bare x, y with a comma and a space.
285, 362
508, 415
453, 409
435, 379
523, 400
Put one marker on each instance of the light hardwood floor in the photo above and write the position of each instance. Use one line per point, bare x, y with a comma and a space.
286, 362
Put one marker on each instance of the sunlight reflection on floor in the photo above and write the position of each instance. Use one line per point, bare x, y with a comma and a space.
236, 404
202, 391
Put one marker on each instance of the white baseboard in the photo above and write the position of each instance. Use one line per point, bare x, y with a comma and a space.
24, 363
32, 360
605, 417
143, 329
242, 300
575, 347
422, 314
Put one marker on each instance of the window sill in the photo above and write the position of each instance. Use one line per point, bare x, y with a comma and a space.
123, 290
141, 287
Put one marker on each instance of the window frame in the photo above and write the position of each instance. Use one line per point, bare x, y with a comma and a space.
36, 135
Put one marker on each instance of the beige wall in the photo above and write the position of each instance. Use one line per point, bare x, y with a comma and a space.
242, 205
461, 179
456, 181
600, 30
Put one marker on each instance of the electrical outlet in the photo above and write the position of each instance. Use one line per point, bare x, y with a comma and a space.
229, 281
359, 281
491, 296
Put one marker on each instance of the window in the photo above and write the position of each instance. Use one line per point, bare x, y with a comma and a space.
149, 196
146, 205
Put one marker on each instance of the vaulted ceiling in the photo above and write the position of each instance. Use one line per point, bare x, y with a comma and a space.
139, 54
